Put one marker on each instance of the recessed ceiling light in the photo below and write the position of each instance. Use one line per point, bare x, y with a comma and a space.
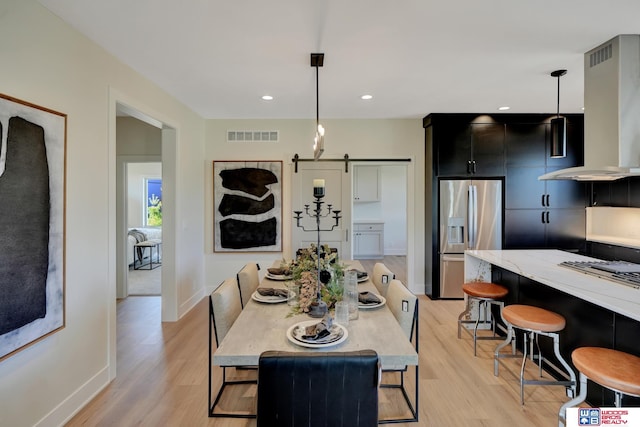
267, 97
505, 108
365, 97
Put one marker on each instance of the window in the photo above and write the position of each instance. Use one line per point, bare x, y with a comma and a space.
153, 206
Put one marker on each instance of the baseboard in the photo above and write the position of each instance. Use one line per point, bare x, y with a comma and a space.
77, 400
190, 303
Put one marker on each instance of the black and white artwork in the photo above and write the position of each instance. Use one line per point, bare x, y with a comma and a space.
32, 194
247, 206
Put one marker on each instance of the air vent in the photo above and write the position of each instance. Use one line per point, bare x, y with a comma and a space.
601, 55
252, 135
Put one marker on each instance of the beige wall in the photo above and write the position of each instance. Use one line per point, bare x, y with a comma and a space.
46, 62
392, 138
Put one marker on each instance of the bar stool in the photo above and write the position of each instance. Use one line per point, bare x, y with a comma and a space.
486, 294
535, 321
612, 369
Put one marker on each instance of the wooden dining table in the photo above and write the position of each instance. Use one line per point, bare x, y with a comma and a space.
263, 326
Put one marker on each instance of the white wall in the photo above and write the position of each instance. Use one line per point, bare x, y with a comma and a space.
391, 138
46, 62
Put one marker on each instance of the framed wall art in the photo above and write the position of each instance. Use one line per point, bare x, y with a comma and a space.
32, 223
247, 198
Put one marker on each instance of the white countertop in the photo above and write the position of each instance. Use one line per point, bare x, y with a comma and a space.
368, 221
542, 266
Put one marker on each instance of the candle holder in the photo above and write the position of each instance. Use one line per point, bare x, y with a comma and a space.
318, 308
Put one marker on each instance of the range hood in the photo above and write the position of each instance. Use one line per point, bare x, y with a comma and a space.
612, 113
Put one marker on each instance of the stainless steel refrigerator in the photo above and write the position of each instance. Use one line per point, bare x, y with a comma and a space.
470, 218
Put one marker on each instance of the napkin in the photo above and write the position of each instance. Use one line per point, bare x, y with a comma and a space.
273, 292
368, 298
319, 330
278, 271
359, 273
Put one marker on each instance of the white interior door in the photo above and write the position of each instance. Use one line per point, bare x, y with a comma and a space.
337, 194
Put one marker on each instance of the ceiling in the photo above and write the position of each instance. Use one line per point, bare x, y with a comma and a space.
414, 56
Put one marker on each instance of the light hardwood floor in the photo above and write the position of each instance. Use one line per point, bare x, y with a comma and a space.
162, 376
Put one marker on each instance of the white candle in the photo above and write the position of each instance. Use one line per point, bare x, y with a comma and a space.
318, 188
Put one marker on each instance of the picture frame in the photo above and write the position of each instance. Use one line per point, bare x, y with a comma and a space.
32, 223
247, 198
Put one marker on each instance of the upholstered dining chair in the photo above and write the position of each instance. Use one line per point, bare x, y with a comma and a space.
323, 389
248, 281
404, 306
224, 308
382, 276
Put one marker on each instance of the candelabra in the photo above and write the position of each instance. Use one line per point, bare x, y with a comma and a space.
318, 308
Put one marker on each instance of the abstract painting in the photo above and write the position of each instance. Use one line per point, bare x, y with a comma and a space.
32, 203
247, 197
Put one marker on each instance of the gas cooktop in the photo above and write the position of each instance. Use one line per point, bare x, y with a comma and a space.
622, 272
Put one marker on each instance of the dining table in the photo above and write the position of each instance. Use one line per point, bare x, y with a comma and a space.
263, 326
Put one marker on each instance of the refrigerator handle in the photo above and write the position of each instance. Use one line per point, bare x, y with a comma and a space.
472, 216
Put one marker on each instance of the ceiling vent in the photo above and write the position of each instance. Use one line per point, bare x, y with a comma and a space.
601, 55
253, 135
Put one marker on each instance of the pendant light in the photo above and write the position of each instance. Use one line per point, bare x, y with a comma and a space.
558, 125
317, 60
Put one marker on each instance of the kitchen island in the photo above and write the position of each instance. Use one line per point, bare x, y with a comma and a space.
598, 312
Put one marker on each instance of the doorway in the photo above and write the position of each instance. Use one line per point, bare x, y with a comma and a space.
394, 208
144, 224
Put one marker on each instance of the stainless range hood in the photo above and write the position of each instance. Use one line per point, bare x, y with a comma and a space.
612, 113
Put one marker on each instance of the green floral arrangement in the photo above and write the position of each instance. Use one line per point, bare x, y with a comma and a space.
304, 272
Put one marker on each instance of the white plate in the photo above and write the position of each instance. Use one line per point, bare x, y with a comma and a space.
271, 299
383, 301
363, 278
292, 330
278, 277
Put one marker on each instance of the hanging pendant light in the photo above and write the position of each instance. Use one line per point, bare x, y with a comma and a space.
558, 125
317, 60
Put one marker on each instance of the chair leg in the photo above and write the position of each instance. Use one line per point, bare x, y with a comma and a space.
562, 414
413, 409
225, 383
462, 315
510, 339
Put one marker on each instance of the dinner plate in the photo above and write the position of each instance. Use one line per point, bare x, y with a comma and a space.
271, 299
278, 277
382, 302
363, 278
338, 335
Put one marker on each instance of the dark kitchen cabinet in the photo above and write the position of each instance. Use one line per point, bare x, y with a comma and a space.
542, 214
465, 149
537, 214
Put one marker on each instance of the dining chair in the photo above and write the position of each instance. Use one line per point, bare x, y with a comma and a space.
248, 281
318, 389
224, 309
382, 276
404, 306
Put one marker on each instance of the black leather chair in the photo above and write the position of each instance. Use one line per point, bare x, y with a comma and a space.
324, 389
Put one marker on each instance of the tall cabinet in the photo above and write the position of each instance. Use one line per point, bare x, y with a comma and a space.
538, 214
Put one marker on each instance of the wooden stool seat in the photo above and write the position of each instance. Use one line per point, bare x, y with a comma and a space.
533, 318
610, 368
485, 290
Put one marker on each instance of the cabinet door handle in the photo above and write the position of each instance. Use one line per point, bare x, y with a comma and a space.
548, 201
542, 200
542, 217
468, 166
547, 217
473, 166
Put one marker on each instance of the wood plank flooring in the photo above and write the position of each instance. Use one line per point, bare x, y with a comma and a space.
162, 376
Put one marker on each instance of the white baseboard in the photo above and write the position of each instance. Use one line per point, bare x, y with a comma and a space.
69, 407
395, 252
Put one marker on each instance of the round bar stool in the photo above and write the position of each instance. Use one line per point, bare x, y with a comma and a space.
486, 294
612, 369
535, 321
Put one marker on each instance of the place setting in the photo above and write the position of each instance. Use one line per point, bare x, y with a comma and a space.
280, 274
362, 276
271, 295
317, 334
368, 300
